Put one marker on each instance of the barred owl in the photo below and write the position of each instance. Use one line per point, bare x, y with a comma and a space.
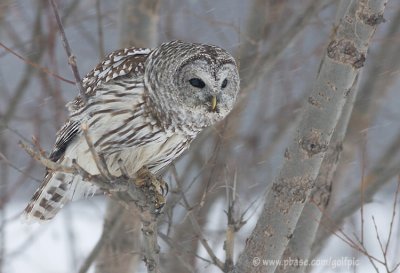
143, 109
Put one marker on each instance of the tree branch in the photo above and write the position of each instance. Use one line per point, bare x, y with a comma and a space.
70, 55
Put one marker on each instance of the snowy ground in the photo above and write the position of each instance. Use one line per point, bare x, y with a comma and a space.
61, 245
57, 246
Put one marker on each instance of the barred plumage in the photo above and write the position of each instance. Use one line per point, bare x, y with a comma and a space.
144, 108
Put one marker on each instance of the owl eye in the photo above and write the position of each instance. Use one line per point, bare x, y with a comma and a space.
224, 83
196, 82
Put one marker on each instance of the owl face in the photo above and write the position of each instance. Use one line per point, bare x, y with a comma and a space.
207, 88
195, 84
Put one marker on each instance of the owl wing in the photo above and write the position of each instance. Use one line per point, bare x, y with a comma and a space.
65, 135
117, 64
55, 189
128, 61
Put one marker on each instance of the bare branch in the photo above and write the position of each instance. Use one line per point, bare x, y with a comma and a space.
45, 161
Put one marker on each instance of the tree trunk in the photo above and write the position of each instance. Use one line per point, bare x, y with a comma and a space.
341, 63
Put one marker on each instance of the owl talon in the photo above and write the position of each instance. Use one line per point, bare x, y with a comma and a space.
164, 188
155, 186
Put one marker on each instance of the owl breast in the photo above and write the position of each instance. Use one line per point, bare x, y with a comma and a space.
123, 131
154, 155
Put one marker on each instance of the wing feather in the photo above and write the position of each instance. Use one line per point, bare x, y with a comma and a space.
65, 135
127, 61
56, 187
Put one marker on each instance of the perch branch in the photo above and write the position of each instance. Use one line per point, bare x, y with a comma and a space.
151, 247
45, 161
123, 189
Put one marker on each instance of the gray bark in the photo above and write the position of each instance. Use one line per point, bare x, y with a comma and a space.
341, 63
373, 89
299, 247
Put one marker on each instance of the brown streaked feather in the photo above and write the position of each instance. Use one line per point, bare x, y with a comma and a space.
65, 135
117, 64
53, 192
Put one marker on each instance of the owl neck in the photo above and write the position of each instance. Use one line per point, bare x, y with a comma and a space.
173, 118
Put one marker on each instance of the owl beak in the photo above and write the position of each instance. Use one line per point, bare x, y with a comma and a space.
213, 103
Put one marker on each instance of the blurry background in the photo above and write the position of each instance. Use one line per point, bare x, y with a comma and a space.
278, 45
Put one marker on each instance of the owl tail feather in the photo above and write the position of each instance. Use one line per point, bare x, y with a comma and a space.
56, 190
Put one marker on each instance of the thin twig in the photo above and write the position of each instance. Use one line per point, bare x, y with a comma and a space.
380, 244
377, 235
173, 245
339, 233
9, 163
114, 185
371, 259
71, 57
16, 132
96, 157
197, 230
393, 215
45, 161
35, 65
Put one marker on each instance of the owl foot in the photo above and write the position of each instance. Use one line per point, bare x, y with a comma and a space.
154, 187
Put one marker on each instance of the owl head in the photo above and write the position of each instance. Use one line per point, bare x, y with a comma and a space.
192, 85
